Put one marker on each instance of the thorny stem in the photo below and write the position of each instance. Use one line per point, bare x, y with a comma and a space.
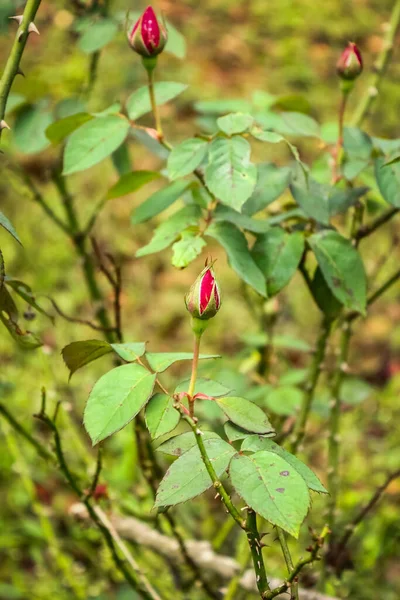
87, 263
136, 580
152, 474
334, 423
349, 529
95, 481
195, 363
379, 68
299, 566
39, 447
335, 402
294, 590
311, 384
253, 538
369, 228
252, 533
12, 66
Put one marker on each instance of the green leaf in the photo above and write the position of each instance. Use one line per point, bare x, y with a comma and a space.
168, 231
234, 433
342, 268
116, 399
187, 477
139, 104
272, 488
245, 414
291, 123
25, 292
388, 180
26, 339
161, 417
130, 182
29, 129
235, 123
325, 300
358, 149
93, 142
208, 387
186, 157
59, 130
78, 354
97, 35
272, 181
180, 444
235, 245
159, 201
187, 249
254, 443
121, 160
230, 175
278, 255
129, 351
14, 101
8, 226
320, 201
284, 400
224, 213
275, 138
218, 107
160, 361
354, 391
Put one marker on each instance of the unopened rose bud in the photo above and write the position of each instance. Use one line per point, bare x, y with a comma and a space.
203, 300
148, 37
350, 64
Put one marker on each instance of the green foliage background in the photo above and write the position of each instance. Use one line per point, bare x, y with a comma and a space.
285, 47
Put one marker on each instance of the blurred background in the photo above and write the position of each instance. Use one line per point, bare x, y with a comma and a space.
242, 52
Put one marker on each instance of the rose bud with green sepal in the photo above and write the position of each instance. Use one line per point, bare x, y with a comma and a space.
148, 36
350, 64
203, 300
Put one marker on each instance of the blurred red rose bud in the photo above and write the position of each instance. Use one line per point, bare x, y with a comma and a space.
350, 64
148, 37
203, 300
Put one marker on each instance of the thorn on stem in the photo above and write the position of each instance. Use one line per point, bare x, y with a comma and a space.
17, 18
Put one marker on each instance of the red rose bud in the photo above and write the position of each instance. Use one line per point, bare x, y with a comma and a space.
203, 300
350, 64
148, 37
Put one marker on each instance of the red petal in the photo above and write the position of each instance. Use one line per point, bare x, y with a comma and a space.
206, 288
150, 29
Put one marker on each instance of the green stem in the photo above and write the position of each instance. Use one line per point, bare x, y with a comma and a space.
288, 584
366, 230
312, 380
339, 144
136, 580
384, 287
12, 66
39, 447
334, 424
195, 364
253, 538
294, 590
79, 241
154, 107
379, 69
